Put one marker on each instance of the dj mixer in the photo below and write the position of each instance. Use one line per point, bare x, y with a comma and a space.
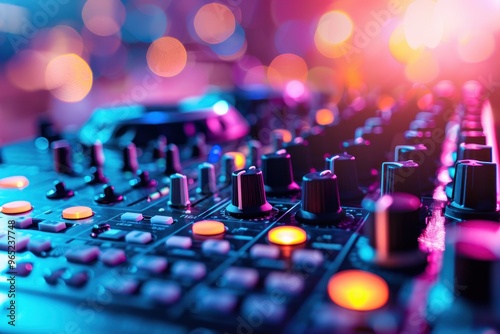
165, 220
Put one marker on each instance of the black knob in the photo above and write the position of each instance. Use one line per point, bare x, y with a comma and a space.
96, 154
320, 199
198, 146
62, 157
159, 149
366, 164
248, 197
109, 196
474, 191
254, 153
179, 192
143, 180
401, 176
299, 152
393, 229
279, 137
468, 151
60, 191
278, 174
344, 167
130, 163
172, 160
228, 166
472, 137
207, 184
427, 166
96, 176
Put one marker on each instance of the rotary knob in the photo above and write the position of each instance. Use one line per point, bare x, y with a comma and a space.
278, 174
207, 184
172, 160
474, 191
299, 151
179, 192
469, 151
320, 199
344, 167
393, 229
248, 197
109, 196
419, 154
401, 176
62, 157
254, 153
472, 137
130, 163
96, 154
365, 163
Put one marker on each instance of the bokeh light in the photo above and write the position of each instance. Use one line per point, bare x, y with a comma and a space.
27, 70
166, 57
385, 102
144, 23
423, 24
103, 18
233, 47
287, 67
399, 47
423, 69
214, 23
334, 28
324, 116
475, 47
68, 77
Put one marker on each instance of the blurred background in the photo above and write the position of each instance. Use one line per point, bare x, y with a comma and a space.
64, 58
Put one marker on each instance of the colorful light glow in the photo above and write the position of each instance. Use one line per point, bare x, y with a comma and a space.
334, 28
239, 159
423, 69
233, 47
385, 102
476, 47
284, 134
358, 290
64, 39
221, 107
16, 207
324, 116
166, 57
295, 89
214, 23
285, 68
287, 235
77, 212
69, 77
399, 47
27, 70
423, 24
103, 18
208, 227
19, 182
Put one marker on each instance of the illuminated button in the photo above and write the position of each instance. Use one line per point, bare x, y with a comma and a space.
285, 283
208, 227
153, 264
139, 237
77, 212
131, 216
189, 270
122, 285
358, 290
216, 301
113, 234
83, 254
164, 220
261, 251
240, 278
287, 235
307, 258
16, 207
113, 256
51, 226
178, 241
24, 222
19, 182
164, 293
39, 245
220, 247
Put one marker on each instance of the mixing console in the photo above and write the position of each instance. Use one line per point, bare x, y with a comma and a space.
379, 222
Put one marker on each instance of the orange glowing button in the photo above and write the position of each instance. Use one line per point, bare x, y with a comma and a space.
239, 159
287, 235
77, 212
358, 290
208, 227
19, 182
16, 207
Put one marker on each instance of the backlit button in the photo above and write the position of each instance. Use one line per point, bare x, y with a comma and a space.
307, 258
240, 278
164, 220
208, 227
289, 284
358, 290
132, 216
16, 207
82, 254
122, 285
216, 301
24, 222
113, 234
51, 226
165, 293
19, 182
113, 256
274, 314
39, 245
219, 247
151, 263
287, 235
178, 241
21, 242
77, 212
76, 279
189, 270
139, 237
22, 269
260, 251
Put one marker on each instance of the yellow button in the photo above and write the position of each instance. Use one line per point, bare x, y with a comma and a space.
208, 227
77, 212
358, 290
15, 207
19, 182
287, 235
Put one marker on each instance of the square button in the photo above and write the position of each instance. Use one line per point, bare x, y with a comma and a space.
51, 226
132, 216
139, 237
164, 220
178, 241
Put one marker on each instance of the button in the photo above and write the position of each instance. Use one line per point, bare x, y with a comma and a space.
211, 246
289, 284
268, 307
164, 220
358, 290
131, 216
77, 212
177, 241
264, 252
287, 235
19, 182
165, 293
16, 207
52, 276
75, 279
82, 254
51, 226
21, 242
39, 245
113, 234
113, 256
122, 285
307, 258
189, 270
152, 263
216, 301
240, 278
139, 237
208, 227
22, 269
24, 222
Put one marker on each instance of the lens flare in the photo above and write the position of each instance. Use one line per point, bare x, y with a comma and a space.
285, 68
